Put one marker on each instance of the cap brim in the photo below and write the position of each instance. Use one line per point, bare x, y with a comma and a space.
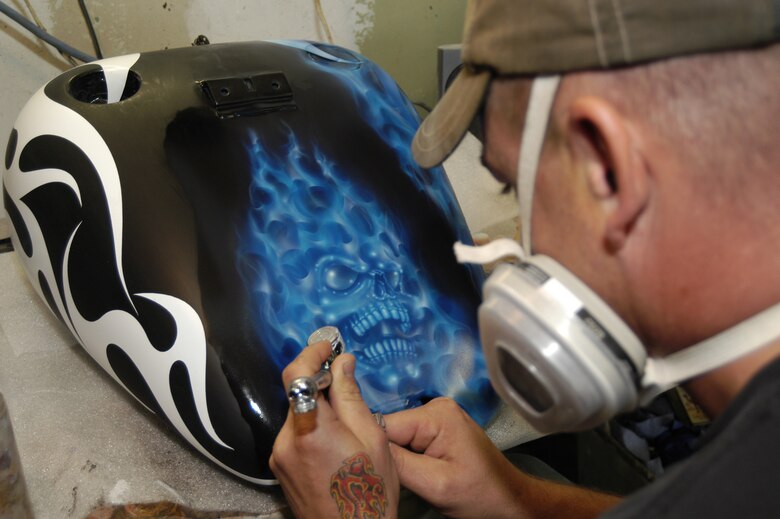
442, 131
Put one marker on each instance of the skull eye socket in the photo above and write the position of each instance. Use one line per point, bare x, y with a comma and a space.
394, 279
340, 278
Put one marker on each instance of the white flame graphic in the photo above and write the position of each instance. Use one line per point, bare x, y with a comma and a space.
42, 116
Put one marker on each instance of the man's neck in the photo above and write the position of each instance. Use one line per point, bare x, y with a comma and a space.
714, 390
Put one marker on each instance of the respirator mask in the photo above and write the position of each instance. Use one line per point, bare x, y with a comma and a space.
555, 351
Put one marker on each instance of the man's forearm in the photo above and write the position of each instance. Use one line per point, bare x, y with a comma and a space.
540, 499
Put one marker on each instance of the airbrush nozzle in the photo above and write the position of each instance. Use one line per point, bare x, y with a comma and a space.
302, 392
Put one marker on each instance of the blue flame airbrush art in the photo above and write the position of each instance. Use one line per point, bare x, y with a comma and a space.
193, 215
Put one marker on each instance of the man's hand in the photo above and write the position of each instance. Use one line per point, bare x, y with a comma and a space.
334, 461
444, 457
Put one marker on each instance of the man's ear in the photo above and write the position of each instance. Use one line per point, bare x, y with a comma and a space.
604, 147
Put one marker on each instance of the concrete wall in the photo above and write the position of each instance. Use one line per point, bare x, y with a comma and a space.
400, 35
403, 39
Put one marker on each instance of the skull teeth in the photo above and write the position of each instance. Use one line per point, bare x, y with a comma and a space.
366, 319
389, 349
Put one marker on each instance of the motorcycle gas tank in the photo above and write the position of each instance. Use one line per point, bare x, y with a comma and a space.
192, 215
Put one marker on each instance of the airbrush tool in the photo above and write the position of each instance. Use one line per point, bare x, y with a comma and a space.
302, 391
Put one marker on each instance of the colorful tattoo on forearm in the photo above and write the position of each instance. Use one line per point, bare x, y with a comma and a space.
358, 491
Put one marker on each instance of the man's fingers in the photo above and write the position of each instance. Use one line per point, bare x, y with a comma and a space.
306, 423
307, 363
415, 428
402, 426
419, 473
345, 396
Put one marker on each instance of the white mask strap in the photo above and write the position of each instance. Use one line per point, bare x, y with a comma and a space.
540, 103
746, 337
488, 253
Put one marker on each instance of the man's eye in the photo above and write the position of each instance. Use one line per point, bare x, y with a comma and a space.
340, 278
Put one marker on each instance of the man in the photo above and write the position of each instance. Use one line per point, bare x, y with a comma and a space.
652, 177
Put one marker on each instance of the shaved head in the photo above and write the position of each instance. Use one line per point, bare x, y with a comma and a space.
720, 112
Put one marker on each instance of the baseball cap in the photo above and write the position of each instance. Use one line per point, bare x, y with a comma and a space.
543, 37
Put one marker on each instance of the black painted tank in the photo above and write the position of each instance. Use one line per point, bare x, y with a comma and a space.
192, 215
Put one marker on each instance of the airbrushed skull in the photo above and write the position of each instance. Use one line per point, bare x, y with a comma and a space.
321, 250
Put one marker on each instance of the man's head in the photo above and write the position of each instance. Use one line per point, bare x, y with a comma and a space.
639, 135
655, 183
647, 150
